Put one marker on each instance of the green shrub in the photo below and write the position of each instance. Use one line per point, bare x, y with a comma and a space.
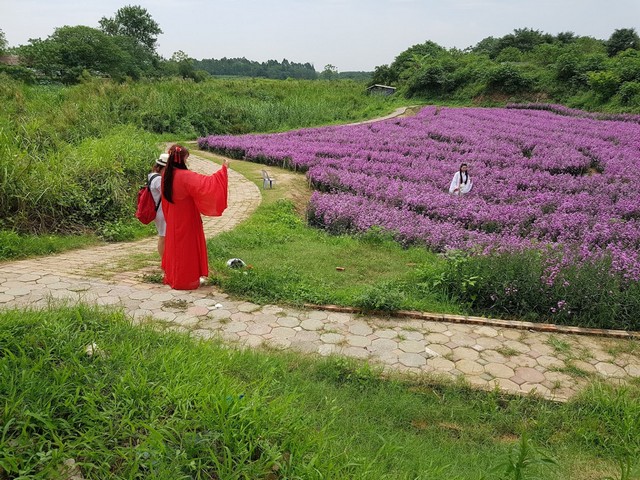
605, 84
537, 286
509, 54
630, 93
123, 230
19, 73
384, 296
78, 188
508, 79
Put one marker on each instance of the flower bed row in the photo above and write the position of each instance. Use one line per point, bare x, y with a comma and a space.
540, 179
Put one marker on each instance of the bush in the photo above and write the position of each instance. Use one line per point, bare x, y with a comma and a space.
78, 188
509, 54
18, 73
539, 286
630, 94
386, 296
605, 84
507, 79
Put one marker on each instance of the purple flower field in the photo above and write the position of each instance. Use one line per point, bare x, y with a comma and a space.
541, 178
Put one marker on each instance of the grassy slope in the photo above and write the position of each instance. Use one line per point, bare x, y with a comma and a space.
160, 405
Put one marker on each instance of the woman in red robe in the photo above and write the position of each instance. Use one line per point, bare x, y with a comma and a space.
185, 196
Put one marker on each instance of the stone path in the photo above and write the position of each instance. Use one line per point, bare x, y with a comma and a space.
555, 366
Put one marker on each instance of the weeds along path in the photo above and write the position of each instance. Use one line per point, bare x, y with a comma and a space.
555, 366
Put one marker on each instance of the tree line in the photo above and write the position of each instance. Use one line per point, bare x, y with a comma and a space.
526, 64
247, 68
124, 47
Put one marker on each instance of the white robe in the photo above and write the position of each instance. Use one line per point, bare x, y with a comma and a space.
155, 186
464, 187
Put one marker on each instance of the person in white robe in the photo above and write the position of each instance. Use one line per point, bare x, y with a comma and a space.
461, 182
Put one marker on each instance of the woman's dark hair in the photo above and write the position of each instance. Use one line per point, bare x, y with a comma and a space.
466, 174
177, 158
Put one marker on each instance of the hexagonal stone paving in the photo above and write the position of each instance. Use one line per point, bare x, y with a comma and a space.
411, 346
499, 370
358, 340
360, 328
386, 333
283, 332
610, 370
288, 321
257, 329
527, 375
382, 344
464, 353
412, 360
312, 324
331, 338
469, 367
441, 364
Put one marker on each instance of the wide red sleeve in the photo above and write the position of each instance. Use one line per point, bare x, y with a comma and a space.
209, 192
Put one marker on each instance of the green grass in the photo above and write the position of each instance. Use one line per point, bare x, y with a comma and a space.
559, 346
293, 263
14, 246
153, 404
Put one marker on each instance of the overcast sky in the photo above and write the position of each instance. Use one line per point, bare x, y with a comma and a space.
349, 34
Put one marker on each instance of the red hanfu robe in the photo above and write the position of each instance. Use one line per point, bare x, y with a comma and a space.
185, 252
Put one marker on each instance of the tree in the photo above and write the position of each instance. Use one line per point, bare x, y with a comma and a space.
627, 65
412, 58
605, 84
545, 54
134, 22
524, 39
248, 68
566, 37
630, 93
71, 51
508, 79
622, 39
330, 72
3, 43
509, 54
434, 79
487, 46
185, 66
381, 75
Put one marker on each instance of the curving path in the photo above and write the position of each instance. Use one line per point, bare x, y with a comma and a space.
555, 366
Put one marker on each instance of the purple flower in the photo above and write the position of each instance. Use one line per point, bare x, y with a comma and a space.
545, 177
